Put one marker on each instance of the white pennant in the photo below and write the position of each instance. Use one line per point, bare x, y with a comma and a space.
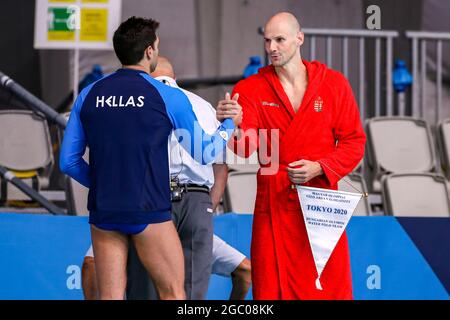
326, 214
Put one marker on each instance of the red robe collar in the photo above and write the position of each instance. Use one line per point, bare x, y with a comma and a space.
316, 74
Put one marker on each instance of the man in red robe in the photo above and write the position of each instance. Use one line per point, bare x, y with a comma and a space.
314, 137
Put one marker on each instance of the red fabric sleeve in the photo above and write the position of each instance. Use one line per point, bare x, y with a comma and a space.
349, 134
248, 142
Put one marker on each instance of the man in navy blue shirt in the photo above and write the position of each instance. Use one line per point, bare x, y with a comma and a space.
125, 119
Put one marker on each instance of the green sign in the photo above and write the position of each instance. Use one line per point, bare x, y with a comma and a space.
60, 24
58, 18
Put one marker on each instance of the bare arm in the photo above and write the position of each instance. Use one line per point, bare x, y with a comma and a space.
220, 181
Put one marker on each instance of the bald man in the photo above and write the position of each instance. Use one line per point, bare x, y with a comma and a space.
315, 137
163, 69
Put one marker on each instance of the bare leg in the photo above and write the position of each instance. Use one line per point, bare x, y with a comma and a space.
159, 250
110, 251
89, 279
242, 279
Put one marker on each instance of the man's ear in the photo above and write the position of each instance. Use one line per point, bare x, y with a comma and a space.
149, 52
300, 38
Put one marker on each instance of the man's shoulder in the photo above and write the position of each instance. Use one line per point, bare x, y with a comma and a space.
161, 87
203, 110
250, 83
173, 97
335, 77
92, 89
337, 83
104, 81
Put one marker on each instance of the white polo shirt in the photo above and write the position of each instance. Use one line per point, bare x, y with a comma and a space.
181, 164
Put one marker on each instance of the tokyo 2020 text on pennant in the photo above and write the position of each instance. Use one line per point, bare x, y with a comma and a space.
326, 214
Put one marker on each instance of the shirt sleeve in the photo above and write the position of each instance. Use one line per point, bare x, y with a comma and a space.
203, 147
74, 145
249, 140
210, 118
349, 134
221, 157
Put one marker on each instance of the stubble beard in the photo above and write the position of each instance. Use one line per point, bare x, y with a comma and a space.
284, 62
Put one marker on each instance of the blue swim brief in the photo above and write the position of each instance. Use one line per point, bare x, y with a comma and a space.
128, 229
133, 228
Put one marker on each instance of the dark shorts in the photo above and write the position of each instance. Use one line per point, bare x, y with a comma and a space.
131, 228
128, 229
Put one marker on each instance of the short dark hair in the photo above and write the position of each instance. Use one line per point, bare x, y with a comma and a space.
132, 38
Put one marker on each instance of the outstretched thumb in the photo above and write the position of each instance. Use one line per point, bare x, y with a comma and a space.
297, 163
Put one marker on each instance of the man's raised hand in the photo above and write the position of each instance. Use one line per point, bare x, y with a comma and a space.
229, 108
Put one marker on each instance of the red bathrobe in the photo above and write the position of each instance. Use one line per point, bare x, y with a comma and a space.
326, 128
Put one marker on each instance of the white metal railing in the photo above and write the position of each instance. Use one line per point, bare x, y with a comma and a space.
419, 56
362, 36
